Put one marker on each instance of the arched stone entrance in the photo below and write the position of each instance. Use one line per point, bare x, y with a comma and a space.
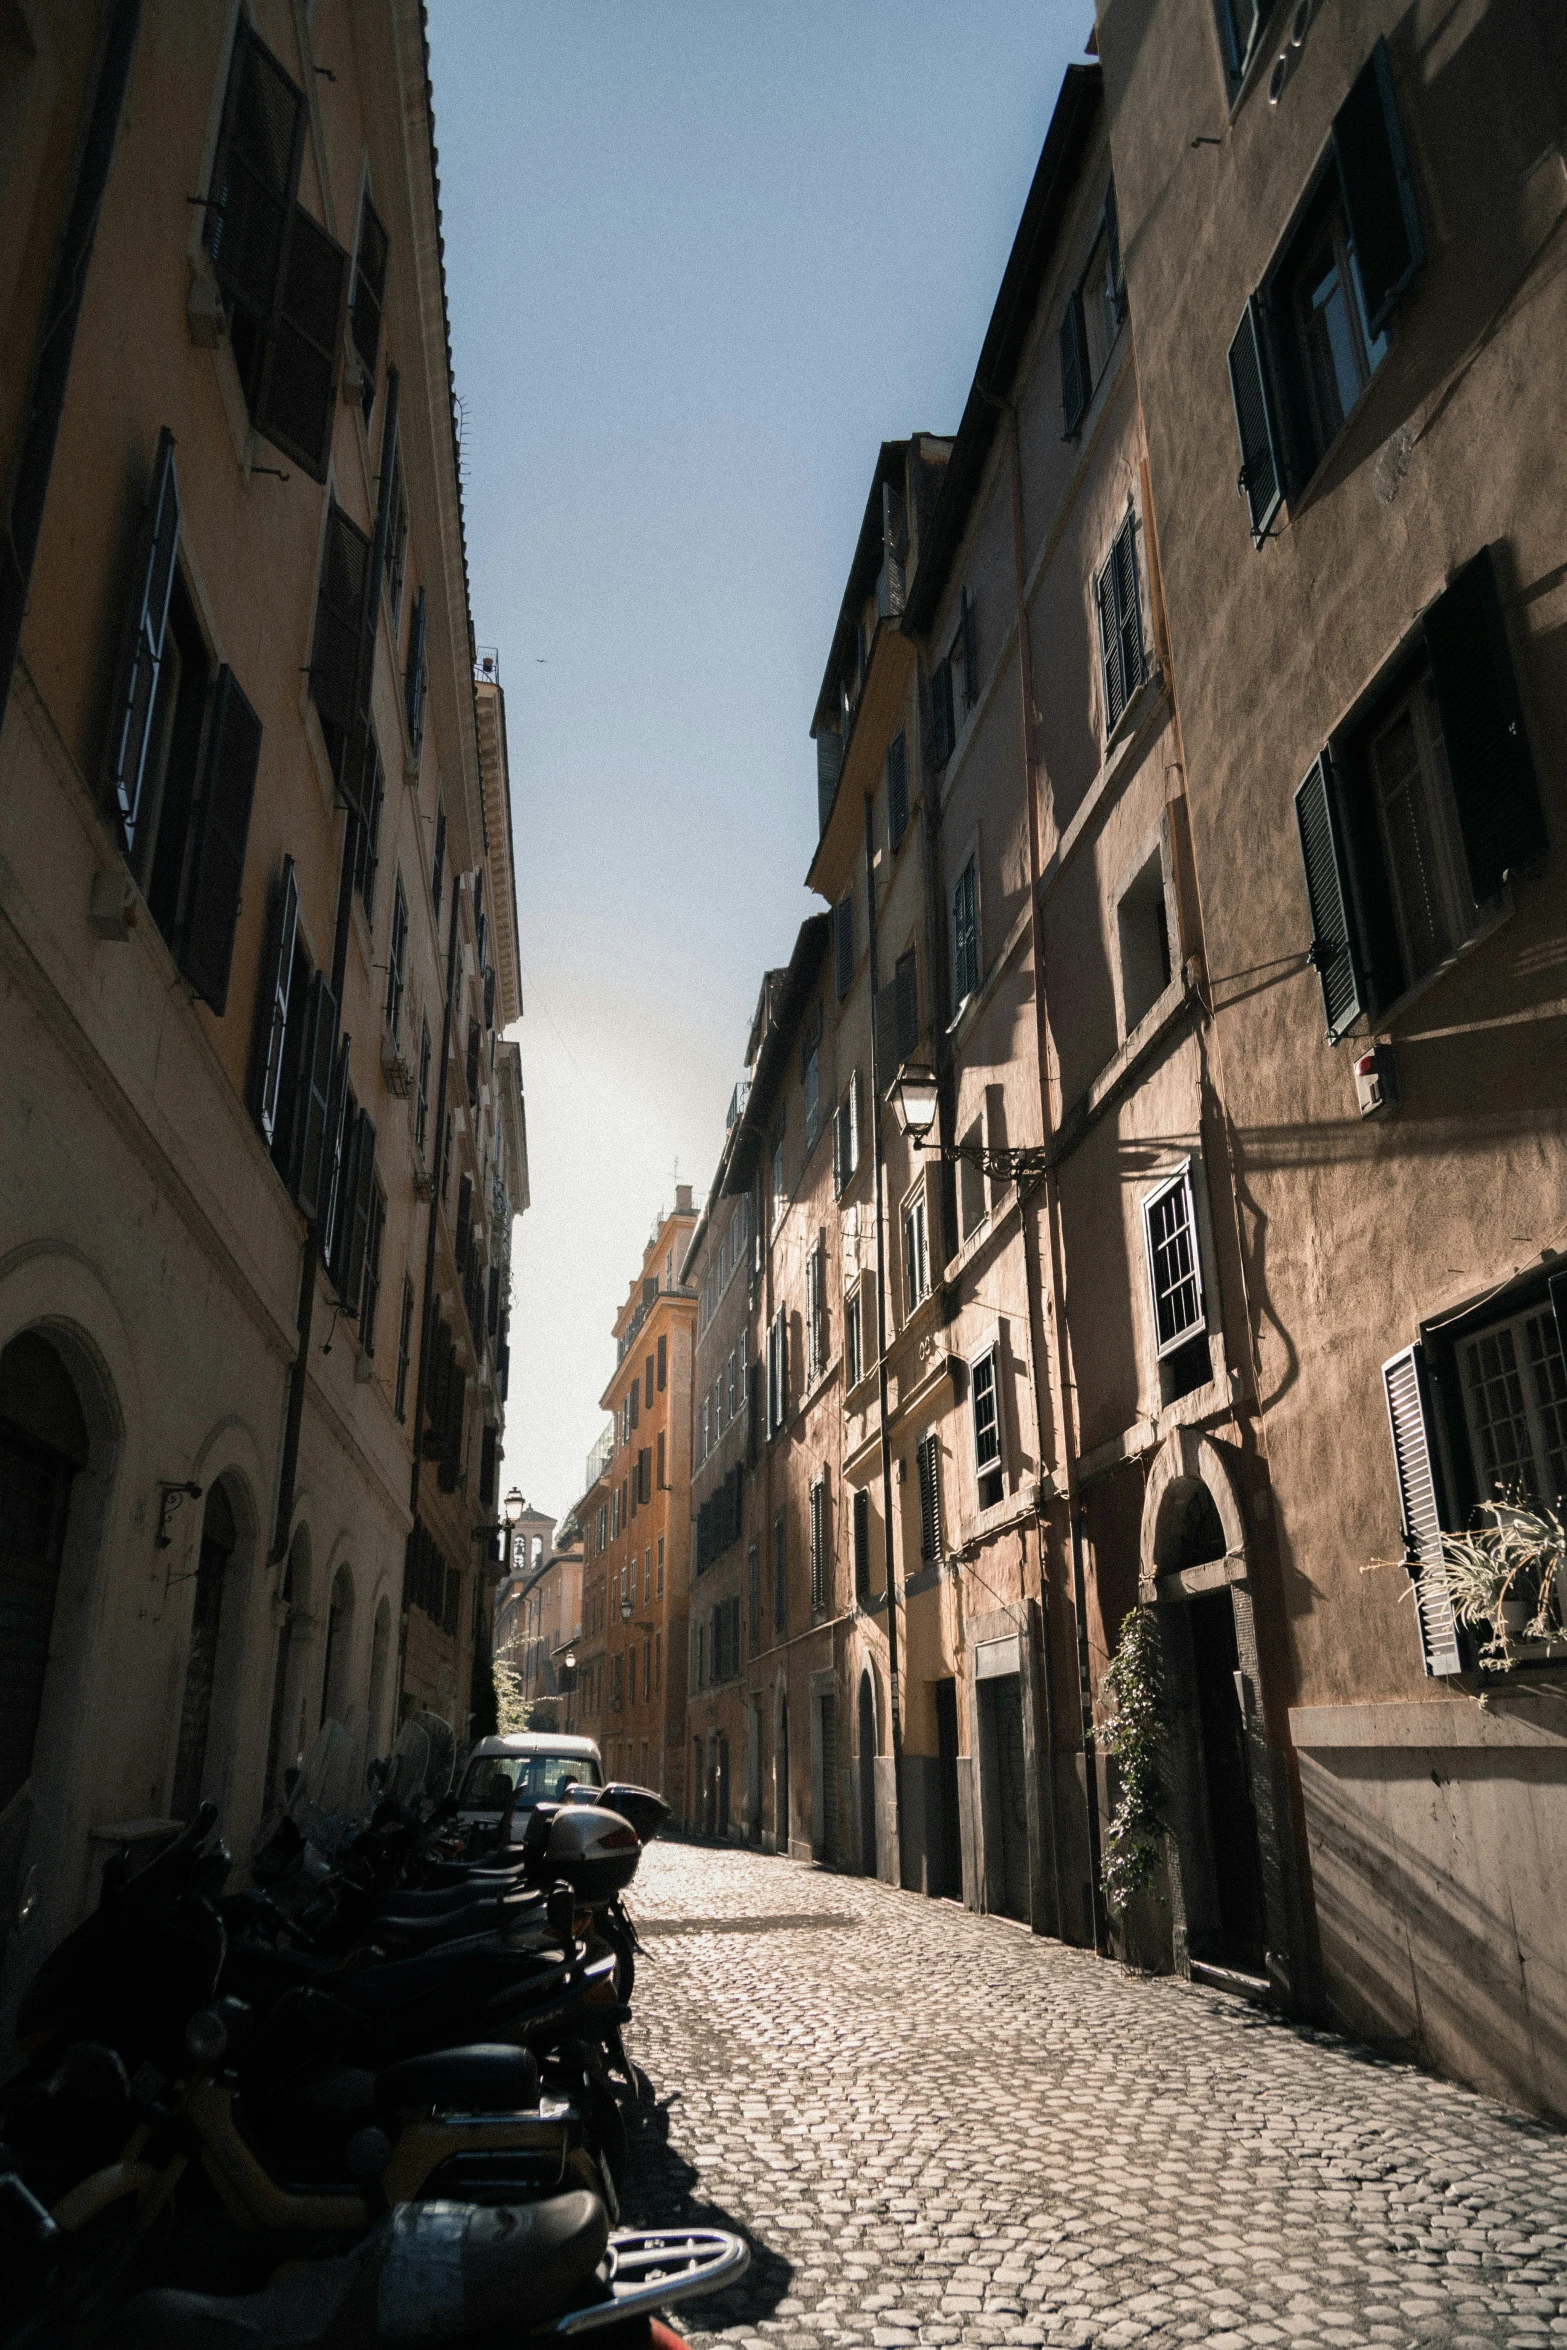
43, 1449
1226, 1819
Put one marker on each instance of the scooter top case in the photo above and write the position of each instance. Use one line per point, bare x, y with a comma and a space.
646, 1810
596, 1851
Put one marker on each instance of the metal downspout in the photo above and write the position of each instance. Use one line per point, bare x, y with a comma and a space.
894, 1700
56, 338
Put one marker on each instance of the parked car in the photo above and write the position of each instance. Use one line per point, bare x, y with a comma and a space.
541, 1768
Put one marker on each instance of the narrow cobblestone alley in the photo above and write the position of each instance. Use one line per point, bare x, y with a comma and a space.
935, 2128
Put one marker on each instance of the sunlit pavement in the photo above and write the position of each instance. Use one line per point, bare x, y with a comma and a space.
936, 2128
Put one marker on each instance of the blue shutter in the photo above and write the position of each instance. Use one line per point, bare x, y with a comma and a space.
1488, 755
1378, 188
1332, 955
1409, 1422
136, 689
221, 829
1261, 479
1074, 367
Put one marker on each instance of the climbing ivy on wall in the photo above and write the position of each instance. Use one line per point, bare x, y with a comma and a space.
1133, 1690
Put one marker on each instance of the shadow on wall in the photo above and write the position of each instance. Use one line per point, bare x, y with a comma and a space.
661, 2191
1439, 1880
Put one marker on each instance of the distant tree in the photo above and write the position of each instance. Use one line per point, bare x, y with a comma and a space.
512, 1710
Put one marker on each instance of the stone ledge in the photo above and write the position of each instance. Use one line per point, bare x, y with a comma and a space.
1506, 1720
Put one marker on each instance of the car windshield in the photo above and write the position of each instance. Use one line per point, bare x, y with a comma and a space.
538, 1778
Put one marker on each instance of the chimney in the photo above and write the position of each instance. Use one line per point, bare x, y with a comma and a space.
683, 1199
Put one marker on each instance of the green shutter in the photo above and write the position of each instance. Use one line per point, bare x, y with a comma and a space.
1261, 477
356, 1211
296, 402
1488, 755
340, 597
255, 175
1074, 367
272, 1017
1409, 1421
221, 829
1378, 188
136, 688
1332, 954
337, 1175
315, 1088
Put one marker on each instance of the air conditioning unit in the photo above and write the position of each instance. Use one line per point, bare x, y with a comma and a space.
394, 1068
424, 1183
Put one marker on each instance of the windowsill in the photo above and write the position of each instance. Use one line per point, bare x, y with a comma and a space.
1168, 1009
1132, 728
1132, 716
1388, 1022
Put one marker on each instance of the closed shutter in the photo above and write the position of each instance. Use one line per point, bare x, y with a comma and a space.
970, 634
334, 656
272, 1022
906, 1005
663, 1364
843, 944
897, 789
1488, 755
829, 766
369, 295
356, 1210
487, 1466
414, 680
1074, 367
136, 687
893, 585
1332, 953
829, 1779
255, 175
1109, 647
1378, 187
1409, 1421
927, 1461
1128, 607
862, 1544
1261, 477
296, 403
943, 731
464, 1220
221, 830
315, 1087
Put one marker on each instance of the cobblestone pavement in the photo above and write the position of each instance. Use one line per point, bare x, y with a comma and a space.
935, 2128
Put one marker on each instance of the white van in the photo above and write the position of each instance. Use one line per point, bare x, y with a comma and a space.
540, 1767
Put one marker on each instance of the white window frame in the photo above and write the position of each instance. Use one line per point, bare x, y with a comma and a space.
1516, 1327
970, 857
989, 1352
1178, 1180
846, 1120
915, 1205
853, 1321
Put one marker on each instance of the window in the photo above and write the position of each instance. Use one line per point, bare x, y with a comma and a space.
422, 1097
658, 1664
1143, 926
368, 298
853, 1337
1122, 662
405, 1340
821, 1537
973, 1206
438, 867
780, 1571
396, 545
701, 1655
707, 1442
337, 689
987, 1429
1174, 1264
777, 1371
647, 1381
647, 1576
965, 934
816, 1328
663, 1364
603, 1527
634, 1401
660, 1590
843, 944
282, 278
1414, 816
954, 683
897, 791
862, 1545
1239, 21
927, 1462
916, 1260
1092, 320
446, 1158
753, 1578
661, 1460
396, 950
1313, 335
416, 679
370, 1295
846, 1137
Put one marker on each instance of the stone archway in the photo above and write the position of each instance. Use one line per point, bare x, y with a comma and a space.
215, 1703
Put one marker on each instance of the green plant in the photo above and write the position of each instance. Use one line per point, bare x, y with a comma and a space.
511, 1707
1133, 1689
1516, 1554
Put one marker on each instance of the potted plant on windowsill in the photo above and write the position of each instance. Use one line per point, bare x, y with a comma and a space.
1506, 1575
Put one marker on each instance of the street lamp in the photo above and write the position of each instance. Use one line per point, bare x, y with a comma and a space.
569, 1668
513, 1506
914, 1098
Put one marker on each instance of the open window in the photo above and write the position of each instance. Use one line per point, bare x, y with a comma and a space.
1142, 921
1414, 816
1118, 604
915, 1231
954, 683
1316, 330
989, 1447
1092, 320
966, 960
1175, 1280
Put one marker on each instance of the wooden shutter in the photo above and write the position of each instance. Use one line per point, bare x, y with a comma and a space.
1261, 477
255, 175
1109, 646
315, 1087
272, 1022
464, 1220
296, 402
472, 1071
829, 766
970, 634
414, 680
897, 789
927, 1462
663, 1363
356, 1210
1488, 755
334, 656
843, 943
1332, 954
862, 1544
221, 829
1378, 187
1074, 367
136, 688
906, 1005
1128, 607
1409, 1421
369, 295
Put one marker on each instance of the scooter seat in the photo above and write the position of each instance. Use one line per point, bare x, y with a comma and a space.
487, 2077
429, 2273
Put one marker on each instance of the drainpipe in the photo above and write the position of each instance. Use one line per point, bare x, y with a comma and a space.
57, 338
1063, 1398
881, 1348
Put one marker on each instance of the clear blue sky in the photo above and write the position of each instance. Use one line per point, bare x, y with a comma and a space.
702, 259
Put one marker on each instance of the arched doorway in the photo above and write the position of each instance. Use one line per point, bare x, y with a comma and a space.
867, 1776
219, 1537
337, 1669
43, 1445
